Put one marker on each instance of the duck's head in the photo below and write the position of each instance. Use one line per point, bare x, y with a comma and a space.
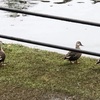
78, 44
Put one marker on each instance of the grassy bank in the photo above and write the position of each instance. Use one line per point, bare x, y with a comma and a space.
33, 74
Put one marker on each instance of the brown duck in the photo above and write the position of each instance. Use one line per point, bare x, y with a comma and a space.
74, 56
2, 54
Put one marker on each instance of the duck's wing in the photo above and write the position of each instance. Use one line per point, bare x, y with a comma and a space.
70, 54
2, 56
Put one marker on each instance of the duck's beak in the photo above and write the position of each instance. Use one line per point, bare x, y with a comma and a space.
81, 44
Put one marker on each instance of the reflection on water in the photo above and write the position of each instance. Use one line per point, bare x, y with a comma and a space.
18, 4
25, 4
64, 1
95, 1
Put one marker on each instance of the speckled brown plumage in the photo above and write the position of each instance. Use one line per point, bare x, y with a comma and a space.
74, 56
2, 54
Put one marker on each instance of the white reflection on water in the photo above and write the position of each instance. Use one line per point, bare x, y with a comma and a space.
54, 31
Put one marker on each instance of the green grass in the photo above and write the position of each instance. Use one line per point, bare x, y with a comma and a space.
33, 74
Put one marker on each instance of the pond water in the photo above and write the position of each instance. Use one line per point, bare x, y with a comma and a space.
54, 31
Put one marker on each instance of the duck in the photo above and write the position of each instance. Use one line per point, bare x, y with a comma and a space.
74, 56
2, 54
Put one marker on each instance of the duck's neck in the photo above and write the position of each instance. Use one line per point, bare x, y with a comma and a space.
77, 47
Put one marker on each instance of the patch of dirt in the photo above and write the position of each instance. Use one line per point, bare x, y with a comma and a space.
19, 93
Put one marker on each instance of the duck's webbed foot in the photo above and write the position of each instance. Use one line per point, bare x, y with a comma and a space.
71, 62
2, 64
76, 62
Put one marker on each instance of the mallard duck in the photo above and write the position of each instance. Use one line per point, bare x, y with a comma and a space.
2, 54
74, 56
